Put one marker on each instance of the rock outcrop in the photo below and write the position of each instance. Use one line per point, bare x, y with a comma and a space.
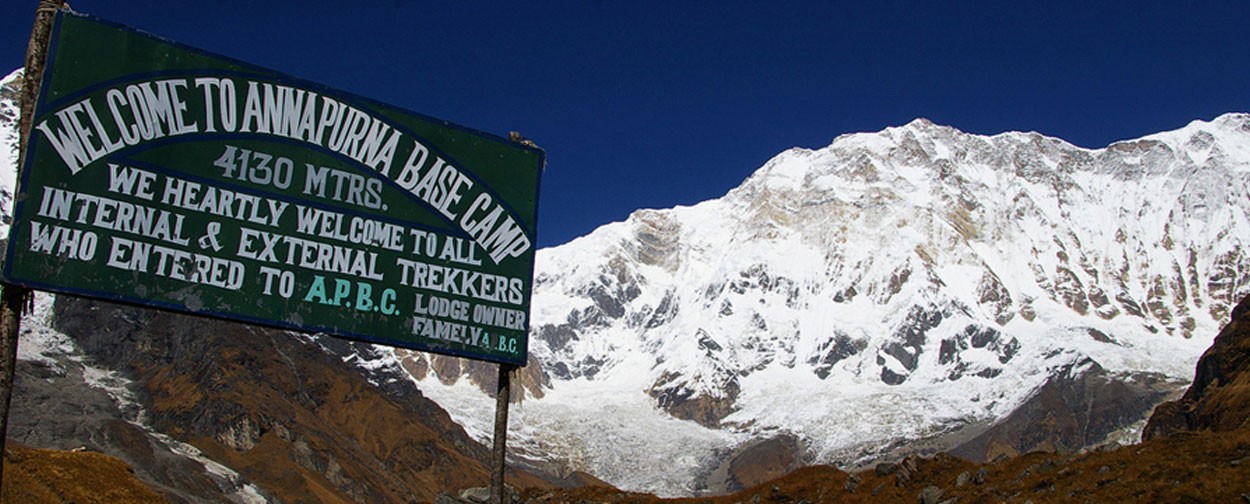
1079, 407
1219, 398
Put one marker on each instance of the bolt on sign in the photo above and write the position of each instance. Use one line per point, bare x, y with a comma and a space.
164, 176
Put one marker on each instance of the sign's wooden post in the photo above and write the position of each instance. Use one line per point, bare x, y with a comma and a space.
499, 461
12, 297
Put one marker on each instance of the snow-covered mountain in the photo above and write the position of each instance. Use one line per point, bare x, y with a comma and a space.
912, 284
9, 112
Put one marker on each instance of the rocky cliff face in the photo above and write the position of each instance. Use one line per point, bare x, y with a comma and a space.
289, 413
64, 399
263, 414
1219, 398
1080, 406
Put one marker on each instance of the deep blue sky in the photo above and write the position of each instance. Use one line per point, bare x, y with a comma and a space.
652, 104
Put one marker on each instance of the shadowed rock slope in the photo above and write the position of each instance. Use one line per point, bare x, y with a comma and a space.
1219, 398
288, 412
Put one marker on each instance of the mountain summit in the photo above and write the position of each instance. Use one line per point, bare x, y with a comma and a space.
904, 290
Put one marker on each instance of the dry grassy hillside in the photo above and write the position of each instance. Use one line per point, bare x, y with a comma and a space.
33, 475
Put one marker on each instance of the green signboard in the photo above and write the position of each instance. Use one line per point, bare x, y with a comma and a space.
163, 176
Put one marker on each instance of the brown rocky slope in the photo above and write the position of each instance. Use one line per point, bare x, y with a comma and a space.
1219, 398
288, 412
